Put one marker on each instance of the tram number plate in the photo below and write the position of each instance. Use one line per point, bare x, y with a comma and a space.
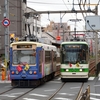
73, 73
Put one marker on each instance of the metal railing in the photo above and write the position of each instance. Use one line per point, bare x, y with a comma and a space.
86, 94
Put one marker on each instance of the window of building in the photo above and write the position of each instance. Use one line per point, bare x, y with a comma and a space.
33, 28
25, 27
24, 1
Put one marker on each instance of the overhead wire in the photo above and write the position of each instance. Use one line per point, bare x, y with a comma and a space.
67, 7
50, 3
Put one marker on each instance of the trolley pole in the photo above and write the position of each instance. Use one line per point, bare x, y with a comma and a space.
6, 15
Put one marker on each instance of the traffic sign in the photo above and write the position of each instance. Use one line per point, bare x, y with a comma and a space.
6, 22
58, 38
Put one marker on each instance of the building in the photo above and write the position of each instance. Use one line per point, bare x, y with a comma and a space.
19, 23
33, 24
16, 12
58, 29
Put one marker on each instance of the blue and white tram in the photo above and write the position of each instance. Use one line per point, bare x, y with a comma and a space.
31, 63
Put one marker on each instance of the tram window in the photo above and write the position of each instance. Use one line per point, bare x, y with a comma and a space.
47, 56
20, 56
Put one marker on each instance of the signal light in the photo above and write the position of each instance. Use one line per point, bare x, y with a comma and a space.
58, 38
12, 36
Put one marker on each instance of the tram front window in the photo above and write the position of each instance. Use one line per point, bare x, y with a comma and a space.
24, 56
74, 54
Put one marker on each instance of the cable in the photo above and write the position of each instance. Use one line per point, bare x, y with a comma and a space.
45, 3
50, 3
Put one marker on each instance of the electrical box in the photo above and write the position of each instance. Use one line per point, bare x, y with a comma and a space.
92, 23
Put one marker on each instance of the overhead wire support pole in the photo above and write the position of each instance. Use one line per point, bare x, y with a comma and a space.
75, 26
61, 24
6, 15
96, 49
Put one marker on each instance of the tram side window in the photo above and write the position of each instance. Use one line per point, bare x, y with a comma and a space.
47, 57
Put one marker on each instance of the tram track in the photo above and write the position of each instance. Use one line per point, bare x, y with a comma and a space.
80, 92
23, 94
50, 98
6, 91
18, 97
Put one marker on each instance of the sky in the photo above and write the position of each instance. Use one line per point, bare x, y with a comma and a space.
62, 5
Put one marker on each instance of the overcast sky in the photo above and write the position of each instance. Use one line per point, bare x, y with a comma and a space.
54, 5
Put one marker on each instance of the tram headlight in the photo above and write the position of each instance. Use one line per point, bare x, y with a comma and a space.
80, 70
34, 72
12, 72
30, 72
67, 70
17, 72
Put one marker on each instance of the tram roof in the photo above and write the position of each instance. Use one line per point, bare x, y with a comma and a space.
75, 42
29, 42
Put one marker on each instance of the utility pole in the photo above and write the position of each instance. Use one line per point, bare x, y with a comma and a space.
61, 24
75, 27
96, 48
6, 15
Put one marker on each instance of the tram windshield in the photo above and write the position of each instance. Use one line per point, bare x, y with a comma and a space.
24, 56
75, 53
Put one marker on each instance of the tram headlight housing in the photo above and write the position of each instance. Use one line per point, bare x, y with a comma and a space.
12, 72
80, 70
34, 72
17, 72
67, 70
30, 72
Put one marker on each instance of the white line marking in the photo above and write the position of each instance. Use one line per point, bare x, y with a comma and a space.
59, 98
66, 94
95, 94
5, 81
50, 90
12, 94
17, 93
29, 99
39, 95
96, 85
91, 78
74, 87
94, 98
7, 95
